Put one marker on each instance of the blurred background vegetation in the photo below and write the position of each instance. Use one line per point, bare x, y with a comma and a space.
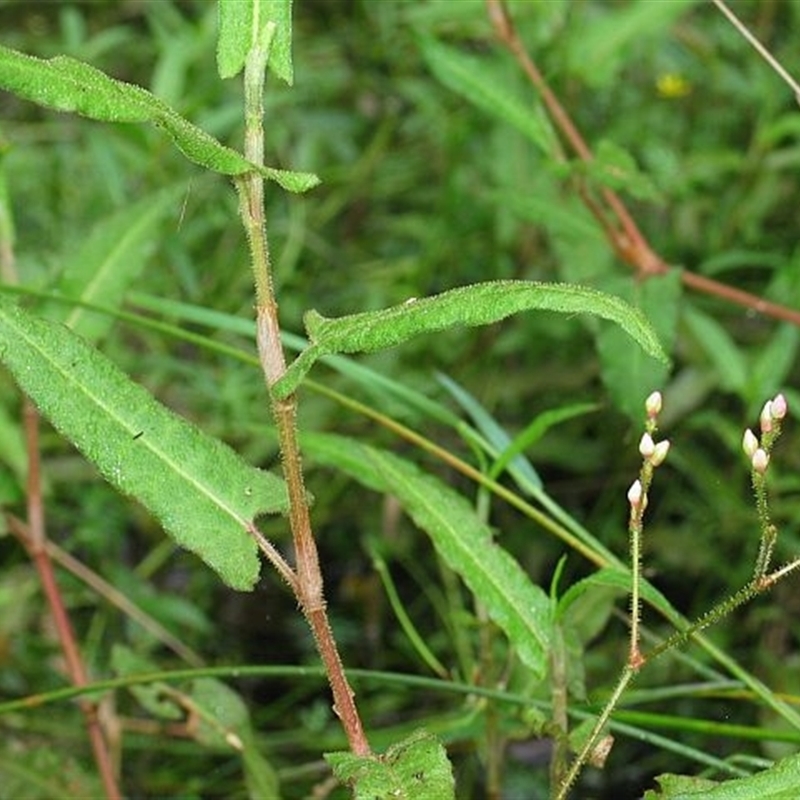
422, 191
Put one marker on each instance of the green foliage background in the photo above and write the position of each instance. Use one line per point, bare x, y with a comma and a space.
423, 191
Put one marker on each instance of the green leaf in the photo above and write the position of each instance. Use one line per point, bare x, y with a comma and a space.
65, 84
479, 82
728, 360
108, 262
606, 40
157, 697
236, 37
772, 364
203, 494
498, 440
479, 304
534, 431
627, 374
279, 12
243, 23
616, 168
618, 580
779, 782
414, 769
520, 608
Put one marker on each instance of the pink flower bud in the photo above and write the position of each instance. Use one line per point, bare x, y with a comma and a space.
653, 405
646, 446
635, 494
760, 461
749, 443
660, 453
779, 407
766, 417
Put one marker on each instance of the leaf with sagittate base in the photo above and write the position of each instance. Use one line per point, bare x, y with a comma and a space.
478, 304
66, 84
203, 494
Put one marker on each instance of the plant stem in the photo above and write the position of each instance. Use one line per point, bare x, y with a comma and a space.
37, 549
628, 673
306, 579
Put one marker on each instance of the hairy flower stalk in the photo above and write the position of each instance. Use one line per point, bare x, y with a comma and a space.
653, 455
758, 451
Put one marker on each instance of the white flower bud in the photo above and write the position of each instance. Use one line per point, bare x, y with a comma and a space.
660, 453
749, 443
635, 494
646, 445
653, 405
760, 461
779, 407
766, 417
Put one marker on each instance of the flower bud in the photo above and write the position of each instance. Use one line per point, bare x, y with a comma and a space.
646, 446
660, 453
749, 443
760, 461
635, 494
779, 407
653, 405
766, 417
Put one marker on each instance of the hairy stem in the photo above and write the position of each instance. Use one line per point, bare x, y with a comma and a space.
306, 579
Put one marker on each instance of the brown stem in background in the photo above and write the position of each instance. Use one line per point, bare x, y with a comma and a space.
626, 239
105, 590
37, 549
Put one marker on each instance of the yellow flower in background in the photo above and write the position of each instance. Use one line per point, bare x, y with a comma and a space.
671, 86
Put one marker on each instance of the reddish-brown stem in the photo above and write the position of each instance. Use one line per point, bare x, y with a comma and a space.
104, 589
36, 544
627, 241
306, 579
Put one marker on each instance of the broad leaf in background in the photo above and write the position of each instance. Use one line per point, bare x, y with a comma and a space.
520, 608
241, 23
478, 304
414, 769
65, 84
477, 80
779, 782
203, 494
771, 366
109, 261
606, 40
628, 376
727, 359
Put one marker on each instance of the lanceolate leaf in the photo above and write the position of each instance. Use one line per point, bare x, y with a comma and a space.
65, 84
479, 82
203, 494
515, 604
478, 304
